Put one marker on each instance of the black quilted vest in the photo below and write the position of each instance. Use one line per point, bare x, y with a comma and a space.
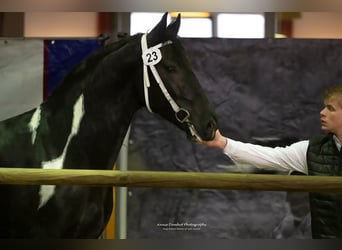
324, 159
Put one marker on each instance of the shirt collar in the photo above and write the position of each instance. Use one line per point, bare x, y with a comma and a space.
337, 142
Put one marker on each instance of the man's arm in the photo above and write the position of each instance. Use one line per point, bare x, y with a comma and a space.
289, 158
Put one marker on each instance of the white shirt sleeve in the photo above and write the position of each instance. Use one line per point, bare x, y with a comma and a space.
289, 158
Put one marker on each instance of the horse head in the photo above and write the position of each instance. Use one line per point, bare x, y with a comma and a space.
171, 88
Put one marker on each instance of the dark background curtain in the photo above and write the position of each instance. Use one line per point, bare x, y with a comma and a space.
266, 91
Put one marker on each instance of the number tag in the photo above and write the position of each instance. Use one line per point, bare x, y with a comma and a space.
151, 56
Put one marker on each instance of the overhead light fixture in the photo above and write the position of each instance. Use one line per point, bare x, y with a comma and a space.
191, 14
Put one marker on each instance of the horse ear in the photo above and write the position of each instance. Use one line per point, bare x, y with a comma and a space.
161, 26
174, 27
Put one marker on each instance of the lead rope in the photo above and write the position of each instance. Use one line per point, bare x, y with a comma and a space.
152, 56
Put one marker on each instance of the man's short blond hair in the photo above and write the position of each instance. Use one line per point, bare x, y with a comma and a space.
334, 92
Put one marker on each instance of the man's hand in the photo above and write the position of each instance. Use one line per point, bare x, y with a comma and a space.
219, 141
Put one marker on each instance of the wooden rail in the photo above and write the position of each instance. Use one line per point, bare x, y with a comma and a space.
155, 179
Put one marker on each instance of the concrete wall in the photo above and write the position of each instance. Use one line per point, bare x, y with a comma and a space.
61, 24
318, 25
84, 24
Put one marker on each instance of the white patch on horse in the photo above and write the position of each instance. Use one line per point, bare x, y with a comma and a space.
34, 124
47, 191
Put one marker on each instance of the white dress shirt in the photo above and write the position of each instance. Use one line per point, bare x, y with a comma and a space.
289, 158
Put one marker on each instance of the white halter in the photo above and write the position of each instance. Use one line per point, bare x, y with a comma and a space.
152, 56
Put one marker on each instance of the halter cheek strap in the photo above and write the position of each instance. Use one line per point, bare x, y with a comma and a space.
152, 56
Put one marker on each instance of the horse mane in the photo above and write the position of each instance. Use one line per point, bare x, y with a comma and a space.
87, 67
107, 49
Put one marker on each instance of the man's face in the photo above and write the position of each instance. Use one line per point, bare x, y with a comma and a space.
331, 116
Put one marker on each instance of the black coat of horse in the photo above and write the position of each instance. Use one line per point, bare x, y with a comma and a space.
82, 125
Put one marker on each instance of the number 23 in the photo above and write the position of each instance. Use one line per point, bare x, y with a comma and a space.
152, 56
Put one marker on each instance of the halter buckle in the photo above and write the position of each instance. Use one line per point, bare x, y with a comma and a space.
182, 115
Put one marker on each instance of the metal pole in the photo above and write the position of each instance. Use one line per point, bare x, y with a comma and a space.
121, 193
270, 24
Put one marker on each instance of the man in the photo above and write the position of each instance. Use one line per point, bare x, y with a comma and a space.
318, 156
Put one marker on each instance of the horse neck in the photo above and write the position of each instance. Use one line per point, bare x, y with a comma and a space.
95, 108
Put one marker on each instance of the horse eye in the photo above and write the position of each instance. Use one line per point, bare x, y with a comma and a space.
171, 68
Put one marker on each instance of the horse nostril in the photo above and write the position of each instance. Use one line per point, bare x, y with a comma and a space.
211, 125
211, 128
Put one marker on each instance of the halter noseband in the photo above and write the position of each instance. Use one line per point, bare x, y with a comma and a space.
152, 56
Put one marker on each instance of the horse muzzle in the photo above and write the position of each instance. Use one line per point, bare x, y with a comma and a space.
206, 133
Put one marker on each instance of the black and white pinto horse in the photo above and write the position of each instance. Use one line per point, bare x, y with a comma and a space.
83, 123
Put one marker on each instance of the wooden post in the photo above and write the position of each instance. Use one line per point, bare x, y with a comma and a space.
110, 228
